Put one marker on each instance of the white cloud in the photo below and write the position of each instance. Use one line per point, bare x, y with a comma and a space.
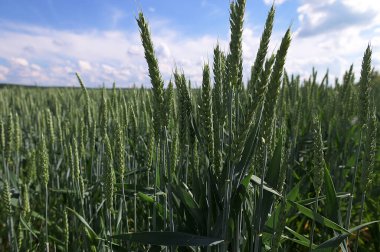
3, 72
212, 8
36, 67
100, 56
276, 2
116, 16
84, 65
20, 62
324, 16
333, 34
108, 69
364, 6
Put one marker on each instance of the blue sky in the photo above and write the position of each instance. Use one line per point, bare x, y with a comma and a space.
44, 41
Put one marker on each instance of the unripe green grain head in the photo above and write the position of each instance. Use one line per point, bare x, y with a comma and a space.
25, 201
9, 144
6, 199
43, 159
318, 159
109, 174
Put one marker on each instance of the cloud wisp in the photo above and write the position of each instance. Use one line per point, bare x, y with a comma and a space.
270, 2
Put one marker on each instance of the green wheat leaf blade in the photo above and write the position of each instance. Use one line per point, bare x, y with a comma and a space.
92, 233
267, 188
168, 239
337, 240
317, 217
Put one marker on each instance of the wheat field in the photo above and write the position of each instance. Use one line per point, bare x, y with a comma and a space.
275, 163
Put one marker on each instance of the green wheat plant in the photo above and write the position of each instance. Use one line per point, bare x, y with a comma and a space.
271, 163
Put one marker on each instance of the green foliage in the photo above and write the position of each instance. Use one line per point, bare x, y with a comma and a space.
267, 165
